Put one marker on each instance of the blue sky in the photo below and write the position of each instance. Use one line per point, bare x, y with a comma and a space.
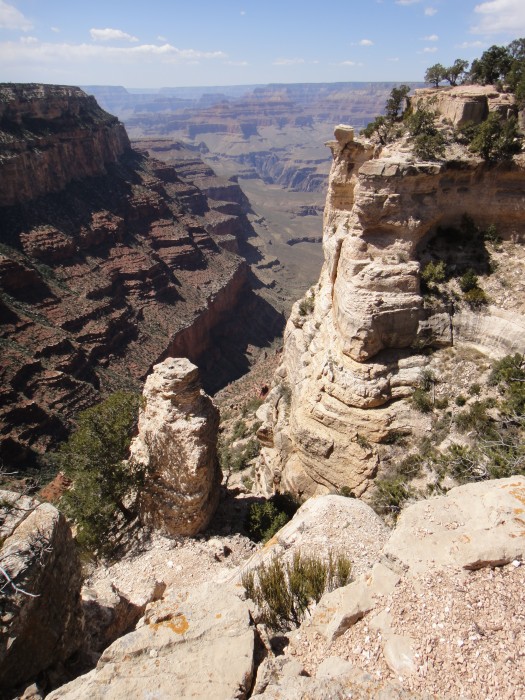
161, 43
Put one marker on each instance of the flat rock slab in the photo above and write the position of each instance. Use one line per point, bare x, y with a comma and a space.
199, 647
473, 526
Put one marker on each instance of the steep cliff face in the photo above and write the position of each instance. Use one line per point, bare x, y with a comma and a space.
52, 135
109, 261
353, 346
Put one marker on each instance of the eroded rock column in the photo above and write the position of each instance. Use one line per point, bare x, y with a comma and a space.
177, 449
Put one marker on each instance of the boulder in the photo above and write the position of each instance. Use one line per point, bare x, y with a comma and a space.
199, 645
42, 622
328, 524
176, 446
473, 526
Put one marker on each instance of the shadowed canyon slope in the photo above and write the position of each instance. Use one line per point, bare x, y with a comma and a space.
109, 261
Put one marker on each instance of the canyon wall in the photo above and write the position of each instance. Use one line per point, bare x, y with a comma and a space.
355, 345
109, 261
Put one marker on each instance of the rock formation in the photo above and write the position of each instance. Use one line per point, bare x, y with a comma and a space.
199, 645
427, 614
41, 621
176, 449
353, 345
109, 262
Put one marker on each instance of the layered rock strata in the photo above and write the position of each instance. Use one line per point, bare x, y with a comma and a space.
40, 578
176, 449
109, 261
352, 346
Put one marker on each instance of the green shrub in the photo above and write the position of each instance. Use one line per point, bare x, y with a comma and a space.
390, 494
474, 389
476, 298
496, 138
94, 458
285, 591
427, 379
441, 403
509, 375
460, 400
421, 401
267, 517
240, 430
234, 459
491, 235
468, 281
434, 272
307, 305
474, 418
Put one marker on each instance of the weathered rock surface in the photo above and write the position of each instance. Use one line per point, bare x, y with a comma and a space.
447, 593
176, 448
41, 624
34, 161
198, 645
352, 346
473, 526
329, 523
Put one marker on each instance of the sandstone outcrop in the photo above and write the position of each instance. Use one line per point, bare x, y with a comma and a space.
199, 644
352, 346
176, 449
110, 262
42, 622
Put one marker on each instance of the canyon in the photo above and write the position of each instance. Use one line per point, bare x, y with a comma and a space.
269, 138
159, 271
110, 261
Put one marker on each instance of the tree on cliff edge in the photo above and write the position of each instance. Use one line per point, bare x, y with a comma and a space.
94, 458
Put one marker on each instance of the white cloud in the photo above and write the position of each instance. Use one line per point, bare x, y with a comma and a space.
243, 12
29, 40
11, 18
394, 59
406, 2
288, 61
162, 38
111, 35
366, 42
500, 16
14, 53
470, 45
236, 63
431, 37
430, 11
55, 29
351, 63
430, 49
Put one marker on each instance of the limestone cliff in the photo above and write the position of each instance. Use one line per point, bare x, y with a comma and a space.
353, 346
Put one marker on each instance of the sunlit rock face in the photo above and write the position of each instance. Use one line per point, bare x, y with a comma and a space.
353, 345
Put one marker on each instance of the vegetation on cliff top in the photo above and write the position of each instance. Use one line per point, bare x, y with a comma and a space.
495, 138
